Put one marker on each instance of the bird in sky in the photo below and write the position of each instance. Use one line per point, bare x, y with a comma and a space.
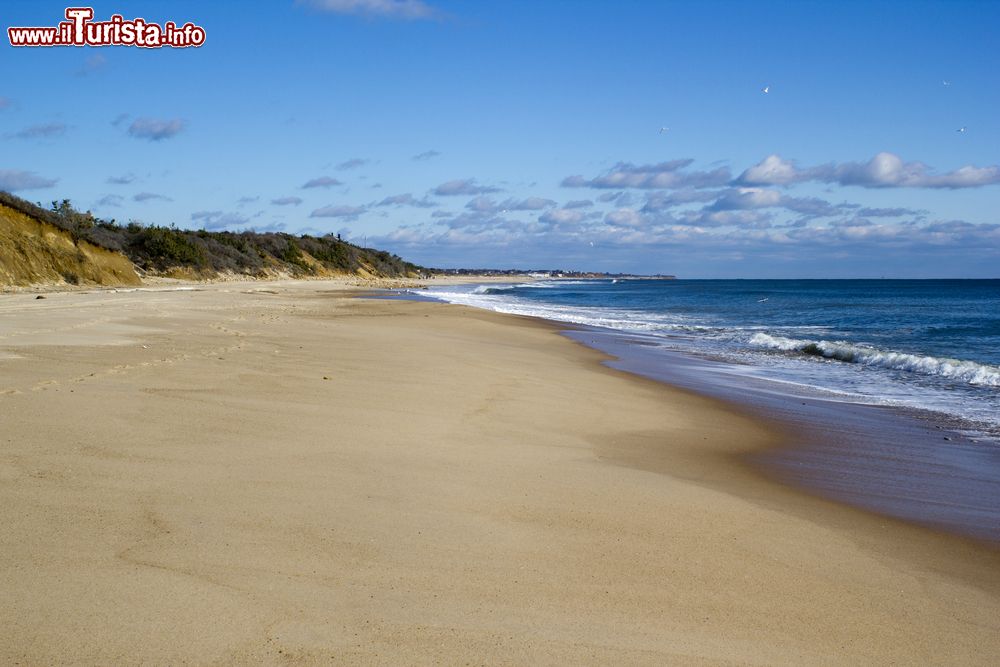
664, 129
961, 130
766, 89
946, 83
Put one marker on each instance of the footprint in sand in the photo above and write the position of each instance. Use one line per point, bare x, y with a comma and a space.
45, 384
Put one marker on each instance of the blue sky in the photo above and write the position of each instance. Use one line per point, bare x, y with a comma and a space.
527, 134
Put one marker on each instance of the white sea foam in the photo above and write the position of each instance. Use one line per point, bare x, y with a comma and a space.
622, 319
750, 347
501, 288
499, 298
953, 369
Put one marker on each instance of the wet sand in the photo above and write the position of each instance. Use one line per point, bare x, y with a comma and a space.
907, 464
281, 473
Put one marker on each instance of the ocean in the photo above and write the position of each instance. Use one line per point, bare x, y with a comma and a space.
927, 351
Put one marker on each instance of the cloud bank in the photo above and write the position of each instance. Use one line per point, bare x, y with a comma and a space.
664, 175
885, 170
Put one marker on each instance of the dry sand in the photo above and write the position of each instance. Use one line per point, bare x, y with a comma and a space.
281, 474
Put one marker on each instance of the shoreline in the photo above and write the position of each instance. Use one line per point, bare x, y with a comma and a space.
863, 456
153, 283
885, 460
349, 478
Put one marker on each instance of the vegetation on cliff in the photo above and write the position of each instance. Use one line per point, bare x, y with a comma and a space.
35, 252
199, 253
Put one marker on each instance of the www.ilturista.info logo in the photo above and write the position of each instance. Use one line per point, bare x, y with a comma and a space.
80, 30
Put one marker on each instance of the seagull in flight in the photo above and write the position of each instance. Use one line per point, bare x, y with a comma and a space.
961, 130
664, 129
766, 89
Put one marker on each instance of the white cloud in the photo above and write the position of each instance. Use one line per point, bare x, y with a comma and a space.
659, 201
465, 186
885, 170
482, 205
273, 226
729, 242
772, 170
562, 216
528, 204
665, 175
409, 10
218, 219
13, 180
746, 198
812, 206
148, 196
348, 212
728, 218
353, 163
406, 199
43, 131
110, 200
321, 182
887, 212
154, 129
624, 217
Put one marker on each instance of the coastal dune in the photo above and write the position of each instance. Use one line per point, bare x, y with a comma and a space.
286, 473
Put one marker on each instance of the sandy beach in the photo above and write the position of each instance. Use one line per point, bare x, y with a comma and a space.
283, 473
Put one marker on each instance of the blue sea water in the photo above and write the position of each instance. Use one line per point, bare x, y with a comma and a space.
931, 345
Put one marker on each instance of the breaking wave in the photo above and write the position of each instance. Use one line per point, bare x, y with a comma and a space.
968, 372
